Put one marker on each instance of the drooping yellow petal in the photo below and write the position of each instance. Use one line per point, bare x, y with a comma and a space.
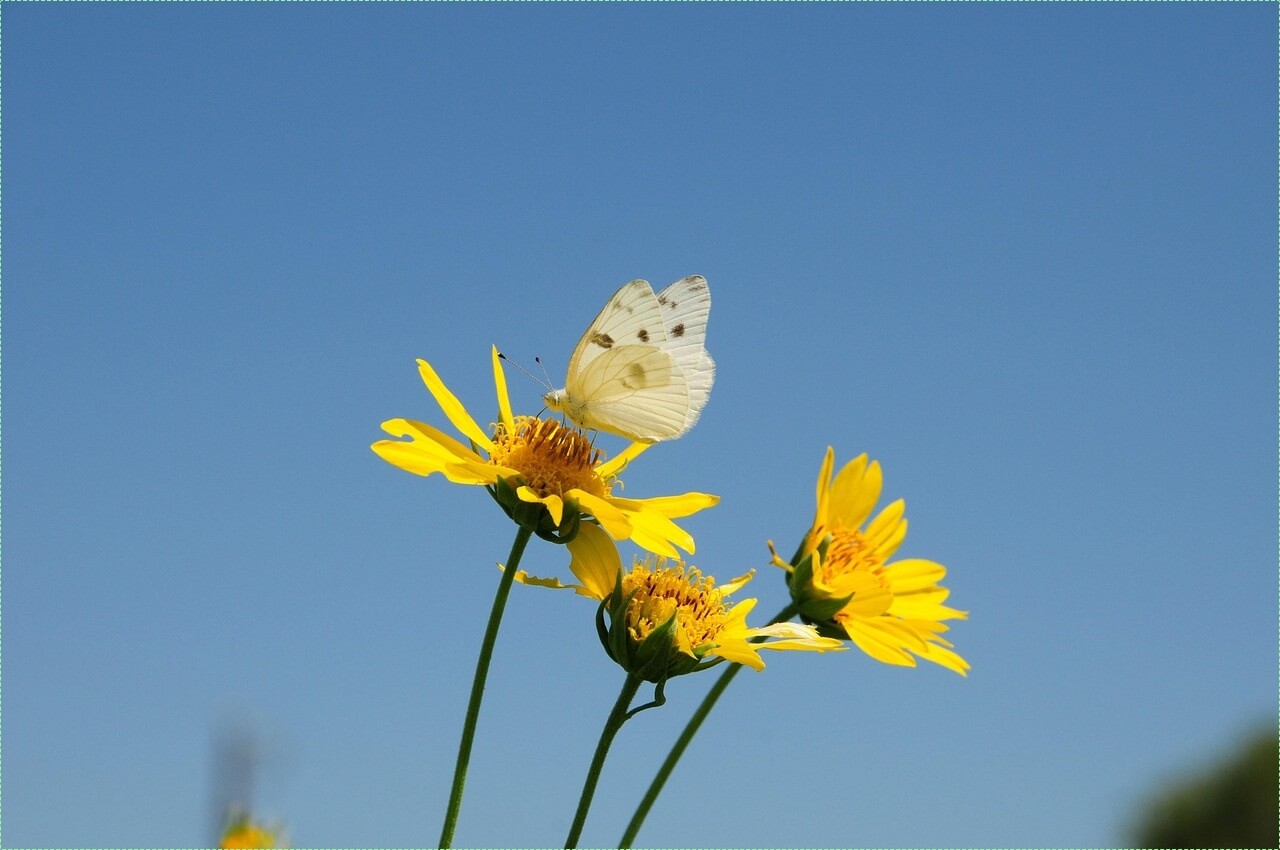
553, 503
615, 521
500, 384
453, 409
594, 561
651, 542
654, 524
534, 581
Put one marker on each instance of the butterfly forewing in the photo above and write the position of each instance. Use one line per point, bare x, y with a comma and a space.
686, 307
631, 316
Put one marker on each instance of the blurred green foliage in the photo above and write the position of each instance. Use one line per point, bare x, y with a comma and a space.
1231, 804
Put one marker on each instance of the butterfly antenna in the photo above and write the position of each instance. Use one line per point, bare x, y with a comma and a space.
543, 367
527, 373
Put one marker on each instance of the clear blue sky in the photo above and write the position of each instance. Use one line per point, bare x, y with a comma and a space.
1024, 255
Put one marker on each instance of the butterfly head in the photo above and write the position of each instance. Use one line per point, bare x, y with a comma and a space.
555, 400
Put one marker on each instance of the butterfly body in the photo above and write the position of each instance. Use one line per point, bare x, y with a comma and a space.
642, 370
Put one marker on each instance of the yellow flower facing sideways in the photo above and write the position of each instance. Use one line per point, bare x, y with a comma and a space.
668, 620
842, 578
540, 470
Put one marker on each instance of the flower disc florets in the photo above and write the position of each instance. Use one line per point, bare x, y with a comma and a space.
552, 458
664, 619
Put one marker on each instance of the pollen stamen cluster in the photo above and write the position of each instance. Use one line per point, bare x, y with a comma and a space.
849, 551
660, 592
552, 458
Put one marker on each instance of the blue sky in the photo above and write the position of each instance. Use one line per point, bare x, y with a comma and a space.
1024, 255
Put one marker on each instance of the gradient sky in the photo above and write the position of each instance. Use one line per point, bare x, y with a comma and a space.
1024, 255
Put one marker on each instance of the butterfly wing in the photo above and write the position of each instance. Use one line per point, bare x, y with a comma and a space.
635, 391
686, 307
633, 315
642, 370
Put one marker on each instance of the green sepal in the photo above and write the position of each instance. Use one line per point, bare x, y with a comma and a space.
801, 578
619, 643
603, 631
822, 610
653, 657
534, 515
828, 629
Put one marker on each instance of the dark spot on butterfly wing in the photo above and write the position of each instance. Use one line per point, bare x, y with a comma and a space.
678, 330
603, 340
643, 335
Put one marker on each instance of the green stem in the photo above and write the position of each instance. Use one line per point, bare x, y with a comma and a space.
690, 729
611, 726
477, 686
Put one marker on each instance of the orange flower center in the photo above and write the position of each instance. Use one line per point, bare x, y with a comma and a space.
551, 458
661, 591
849, 551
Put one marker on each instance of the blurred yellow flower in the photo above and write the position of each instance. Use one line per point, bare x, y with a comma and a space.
665, 620
243, 834
545, 474
842, 578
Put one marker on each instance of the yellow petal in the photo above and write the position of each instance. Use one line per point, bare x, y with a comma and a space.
654, 525
887, 531
453, 409
428, 451
824, 486
594, 560
654, 543
553, 503
914, 574
855, 491
526, 579
946, 658
422, 432
685, 504
614, 466
504, 401
736, 584
617, 523
740, 652
876, 644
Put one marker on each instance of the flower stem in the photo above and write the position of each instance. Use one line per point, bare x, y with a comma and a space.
611, 726
477, 686
690, 729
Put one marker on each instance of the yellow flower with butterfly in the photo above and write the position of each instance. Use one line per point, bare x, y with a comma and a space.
551, 468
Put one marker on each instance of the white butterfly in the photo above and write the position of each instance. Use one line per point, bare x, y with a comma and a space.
641, 370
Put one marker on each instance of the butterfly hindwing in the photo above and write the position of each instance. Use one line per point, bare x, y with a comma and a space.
635, 391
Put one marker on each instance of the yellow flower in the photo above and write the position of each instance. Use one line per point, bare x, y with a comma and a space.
540, 464
665, 620
843, 580
243, 834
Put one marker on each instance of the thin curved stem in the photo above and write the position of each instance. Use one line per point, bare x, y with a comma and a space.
477, 686
611, 726
690, 729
